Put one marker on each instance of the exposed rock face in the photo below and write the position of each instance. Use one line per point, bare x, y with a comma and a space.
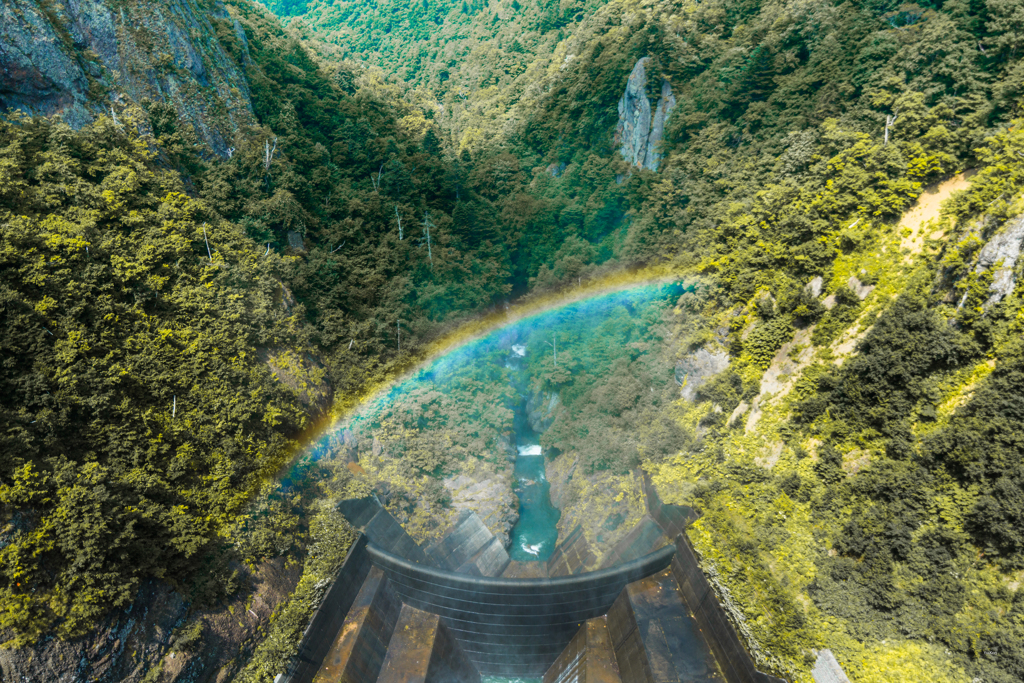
1002, 250
143, 641
665, 105
639, 134
541, 410
859, 288
697, 368
827, 669
556, 170
491, 499
635, 116
605, 505
295, 241
82, 57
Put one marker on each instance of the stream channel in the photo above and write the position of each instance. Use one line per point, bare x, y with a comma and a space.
534, 536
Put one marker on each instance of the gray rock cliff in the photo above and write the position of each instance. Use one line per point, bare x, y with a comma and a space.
1003, 250
147, 641
640, 132
697, 368
82, 58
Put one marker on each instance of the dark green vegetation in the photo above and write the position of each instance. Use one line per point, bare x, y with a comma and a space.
137, 413
151, 386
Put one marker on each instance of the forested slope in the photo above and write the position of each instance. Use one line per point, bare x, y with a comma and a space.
174, 319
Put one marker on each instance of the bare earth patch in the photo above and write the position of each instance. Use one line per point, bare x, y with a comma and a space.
927, 208
781, 375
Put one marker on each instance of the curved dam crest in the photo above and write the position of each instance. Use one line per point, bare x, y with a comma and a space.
513, 626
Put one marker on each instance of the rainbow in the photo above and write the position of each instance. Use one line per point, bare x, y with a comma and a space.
469, 339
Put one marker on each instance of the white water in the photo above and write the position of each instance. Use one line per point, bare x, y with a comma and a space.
529, 450
519, 349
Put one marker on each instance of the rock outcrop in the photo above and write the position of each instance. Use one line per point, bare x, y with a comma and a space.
83, 58
640, 133
859, 288
697, 368
605, 505
542, 409
1003, 250
491, 499
666, 103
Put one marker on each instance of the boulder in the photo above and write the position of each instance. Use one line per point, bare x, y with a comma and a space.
859, 288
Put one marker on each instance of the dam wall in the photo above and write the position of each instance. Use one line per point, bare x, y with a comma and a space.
736, 663
513, 626
517, 626
719, 632
327, 620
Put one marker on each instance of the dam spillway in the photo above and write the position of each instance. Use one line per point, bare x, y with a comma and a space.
513, 626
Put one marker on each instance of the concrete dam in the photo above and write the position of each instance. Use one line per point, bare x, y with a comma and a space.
461, 610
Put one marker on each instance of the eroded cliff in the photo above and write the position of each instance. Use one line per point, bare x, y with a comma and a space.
85, 58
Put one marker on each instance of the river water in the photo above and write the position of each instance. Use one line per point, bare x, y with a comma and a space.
535, 535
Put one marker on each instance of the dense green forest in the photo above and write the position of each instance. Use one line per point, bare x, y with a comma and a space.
174, 321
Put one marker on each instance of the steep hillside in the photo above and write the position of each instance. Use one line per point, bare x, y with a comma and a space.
181, 302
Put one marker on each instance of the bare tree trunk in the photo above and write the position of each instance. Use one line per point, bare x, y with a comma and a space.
268, 154
426, 230
268, 157
207, 240
890, 121
399, 217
